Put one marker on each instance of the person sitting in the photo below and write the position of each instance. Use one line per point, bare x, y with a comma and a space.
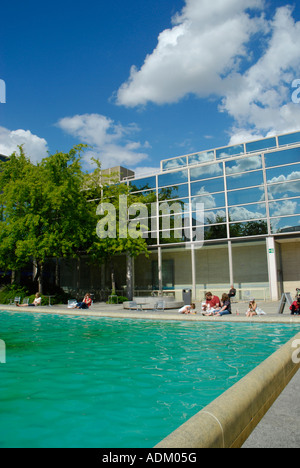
295, 307
85, 304
232, 292
187, 309
212, 303
37, 302
225, 306
254, 309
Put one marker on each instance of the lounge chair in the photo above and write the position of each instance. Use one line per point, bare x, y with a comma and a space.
17, 300
133, 305
160, 305
26, 300
71, 303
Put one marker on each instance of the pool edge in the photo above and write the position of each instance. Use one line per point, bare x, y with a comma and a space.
229, 420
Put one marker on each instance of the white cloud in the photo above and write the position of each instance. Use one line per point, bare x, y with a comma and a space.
207, 41
35, 147
212, 51
111, 142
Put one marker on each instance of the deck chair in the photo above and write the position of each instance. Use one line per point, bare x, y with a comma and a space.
160, 305
17, 300
135, 306
71, 303
26, 300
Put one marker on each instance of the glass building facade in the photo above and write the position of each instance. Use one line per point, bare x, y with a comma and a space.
243, 201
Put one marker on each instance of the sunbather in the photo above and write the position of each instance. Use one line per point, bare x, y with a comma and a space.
37, 302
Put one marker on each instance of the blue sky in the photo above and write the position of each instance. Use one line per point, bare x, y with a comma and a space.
146, 80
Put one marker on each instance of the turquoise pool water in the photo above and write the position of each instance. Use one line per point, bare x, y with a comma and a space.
94, 382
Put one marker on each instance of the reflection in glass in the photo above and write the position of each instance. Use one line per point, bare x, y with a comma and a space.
210, 186
285, 207
177, 191
289, 139
143, 184
251, 228
241, 197
286, 190
230, 151
280, 158
282, 225
201, 157
283, 173
173, 178
245, 180
245, 212
218, 231
243, 165
210, 217
210, 201
174, 163
206, 172
261, 144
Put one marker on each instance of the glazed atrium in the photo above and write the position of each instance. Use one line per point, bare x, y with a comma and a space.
244, 203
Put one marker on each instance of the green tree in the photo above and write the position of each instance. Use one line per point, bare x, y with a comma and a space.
44, 210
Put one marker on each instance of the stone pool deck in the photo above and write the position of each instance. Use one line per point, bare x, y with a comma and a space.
280, 427
102, 309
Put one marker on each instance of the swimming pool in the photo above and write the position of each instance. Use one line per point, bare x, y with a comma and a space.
94, 382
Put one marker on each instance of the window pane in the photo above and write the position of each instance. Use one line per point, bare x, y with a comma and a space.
286, 190
178, 191
289, 139
241, 213
282, 225
240, 197
210, 201
252, 228
212, 217
279, 158
230, 151
218, 231
143, 184
209, 186
173, 163
261, 144
201, 157
283, 173
243, 165
206, 172
285, 207
173, 178
245, 180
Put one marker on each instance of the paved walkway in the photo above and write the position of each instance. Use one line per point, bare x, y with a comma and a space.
280, 428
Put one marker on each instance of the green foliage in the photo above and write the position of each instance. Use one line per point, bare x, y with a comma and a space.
117, 300
9, 292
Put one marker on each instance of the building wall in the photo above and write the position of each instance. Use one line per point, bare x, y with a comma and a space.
290, 257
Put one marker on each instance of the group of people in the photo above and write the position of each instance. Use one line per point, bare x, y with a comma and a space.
213, 306
84, 304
